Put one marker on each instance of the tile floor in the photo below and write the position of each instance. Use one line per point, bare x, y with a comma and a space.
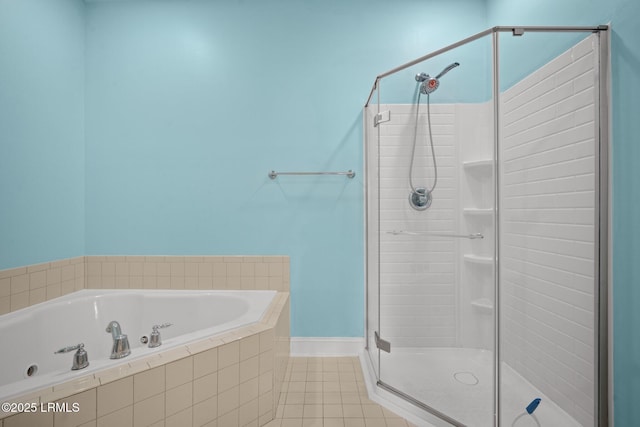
329, 392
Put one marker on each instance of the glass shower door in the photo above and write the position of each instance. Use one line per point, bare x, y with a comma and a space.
436, 257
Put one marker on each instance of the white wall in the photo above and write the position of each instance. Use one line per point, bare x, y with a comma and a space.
547, 226
418, 273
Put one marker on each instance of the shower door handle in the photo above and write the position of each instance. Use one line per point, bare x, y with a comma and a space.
471, 236
382, 344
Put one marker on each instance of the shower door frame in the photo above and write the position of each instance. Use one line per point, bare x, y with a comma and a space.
602, 414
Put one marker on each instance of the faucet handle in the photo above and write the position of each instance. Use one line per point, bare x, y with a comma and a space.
70, 348
80, 359
154, 339
162, 326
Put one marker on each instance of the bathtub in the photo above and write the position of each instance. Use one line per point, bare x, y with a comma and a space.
31, 336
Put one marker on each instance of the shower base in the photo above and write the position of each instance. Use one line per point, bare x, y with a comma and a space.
459, 383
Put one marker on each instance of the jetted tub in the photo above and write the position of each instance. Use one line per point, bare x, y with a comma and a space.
31, 336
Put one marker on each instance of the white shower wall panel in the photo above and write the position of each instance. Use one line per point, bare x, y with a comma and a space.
547, 228
418, 273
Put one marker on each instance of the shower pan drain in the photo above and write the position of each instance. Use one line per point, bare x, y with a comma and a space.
466, 378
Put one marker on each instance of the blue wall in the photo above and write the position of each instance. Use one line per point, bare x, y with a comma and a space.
190, 104
625, 62
41, 131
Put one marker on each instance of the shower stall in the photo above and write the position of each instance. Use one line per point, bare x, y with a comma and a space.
487, 230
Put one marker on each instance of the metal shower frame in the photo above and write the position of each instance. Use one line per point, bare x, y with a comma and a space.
602, 390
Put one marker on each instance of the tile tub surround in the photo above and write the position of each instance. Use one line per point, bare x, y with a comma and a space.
25, 286
227, 380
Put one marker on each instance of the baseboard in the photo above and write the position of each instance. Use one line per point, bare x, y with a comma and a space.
326, 347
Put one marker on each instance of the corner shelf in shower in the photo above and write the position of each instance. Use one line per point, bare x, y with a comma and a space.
478, 259
483, 305
479, 165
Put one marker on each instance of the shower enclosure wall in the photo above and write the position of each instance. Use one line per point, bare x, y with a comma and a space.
488, 307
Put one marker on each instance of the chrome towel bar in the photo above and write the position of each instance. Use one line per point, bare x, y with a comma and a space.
349, 173
425, 233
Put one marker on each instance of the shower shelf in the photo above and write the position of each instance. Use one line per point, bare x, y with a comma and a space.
483, 304
478, 259
479, 212
485, 164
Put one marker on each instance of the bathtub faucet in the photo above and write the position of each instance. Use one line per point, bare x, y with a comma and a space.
120, 347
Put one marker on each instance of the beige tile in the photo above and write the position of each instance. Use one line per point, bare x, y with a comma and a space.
396, 422
179, 372
312, 411
292, 398
228, 400
333, 422
205, 411
332, 397
266, 361
229, 419
314, 397
375, 422
205, 387
353, 411
249, 347
19, 284
149, 411
86, 402
53, 291
354, 422
234, 269
293, 411
267, 420
19, 301
115, 396
266, 382
248, 412
228, 354
331, 387
37, 280
313, 375
178, 399
181, 419
30, 419
121, 418
5, 305
5, 287
205, 363
228, 377
249, 390
372, 411
332, 410
148, 383
350, 398
291, 422
297, 386
265, 403
298, 376
249, 369
349, 387
312, 422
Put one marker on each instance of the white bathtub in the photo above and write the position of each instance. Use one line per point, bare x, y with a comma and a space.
30, 336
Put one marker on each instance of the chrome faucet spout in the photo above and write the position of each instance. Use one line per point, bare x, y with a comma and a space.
120, 347
114, 329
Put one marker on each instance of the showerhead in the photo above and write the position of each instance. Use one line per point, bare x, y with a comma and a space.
430, 84
446, 70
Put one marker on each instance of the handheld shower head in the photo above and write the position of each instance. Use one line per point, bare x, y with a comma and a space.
430, 84
446, 70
